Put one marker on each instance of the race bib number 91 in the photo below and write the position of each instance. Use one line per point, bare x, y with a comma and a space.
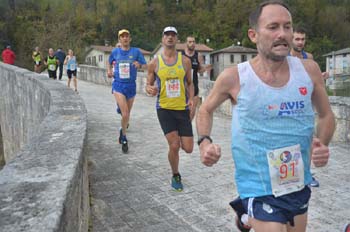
286, 170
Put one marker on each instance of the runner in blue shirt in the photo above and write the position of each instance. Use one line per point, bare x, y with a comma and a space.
125, 61
273, 97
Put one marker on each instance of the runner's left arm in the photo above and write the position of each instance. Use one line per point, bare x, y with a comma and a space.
151, 89
140, 63
326, 122
189, 87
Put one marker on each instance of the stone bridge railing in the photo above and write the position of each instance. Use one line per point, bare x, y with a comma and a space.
44, 183
340, 105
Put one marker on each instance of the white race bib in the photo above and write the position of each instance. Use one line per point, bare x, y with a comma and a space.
52, 67
172, 88
124, 70
286, 170
72, 67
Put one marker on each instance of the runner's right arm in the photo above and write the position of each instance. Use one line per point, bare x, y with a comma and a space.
226, 87
151, 68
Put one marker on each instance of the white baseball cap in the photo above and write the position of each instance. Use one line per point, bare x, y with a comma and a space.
170, 29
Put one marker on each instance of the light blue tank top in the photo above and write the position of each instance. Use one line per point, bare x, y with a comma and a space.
267, 118
72, 64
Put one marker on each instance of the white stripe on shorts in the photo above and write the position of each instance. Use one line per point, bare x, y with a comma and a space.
250, 207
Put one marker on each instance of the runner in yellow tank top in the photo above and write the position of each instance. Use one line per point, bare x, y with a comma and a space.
174, 91
171, 79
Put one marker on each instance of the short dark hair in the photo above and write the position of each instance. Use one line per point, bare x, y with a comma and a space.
299, 29
255, 15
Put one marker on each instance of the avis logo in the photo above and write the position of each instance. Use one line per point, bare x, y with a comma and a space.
291, 108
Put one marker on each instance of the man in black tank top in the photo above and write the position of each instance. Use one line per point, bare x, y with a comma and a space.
197, 67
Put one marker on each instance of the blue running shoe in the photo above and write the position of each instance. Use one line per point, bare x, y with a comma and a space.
125, 147
176, 183
314, 182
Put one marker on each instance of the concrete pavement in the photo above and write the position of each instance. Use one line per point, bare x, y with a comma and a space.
131, 192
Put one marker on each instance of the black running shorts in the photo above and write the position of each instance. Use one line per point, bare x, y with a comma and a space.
175, 120
71, 72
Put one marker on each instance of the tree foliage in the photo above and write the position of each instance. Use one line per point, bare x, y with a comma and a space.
77, 24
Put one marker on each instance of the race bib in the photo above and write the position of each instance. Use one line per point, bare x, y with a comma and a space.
52, 67
172, 88
124, 70
37, 62
72, 67
286, 170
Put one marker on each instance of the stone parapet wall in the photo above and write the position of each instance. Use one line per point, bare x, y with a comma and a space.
99, 76
44, 184
341, 110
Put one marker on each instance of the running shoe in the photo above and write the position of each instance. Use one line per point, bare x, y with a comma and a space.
176, 183
237, 206
347, 228
125, 147
314, 182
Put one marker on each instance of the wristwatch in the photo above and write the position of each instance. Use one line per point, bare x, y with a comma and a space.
201, 139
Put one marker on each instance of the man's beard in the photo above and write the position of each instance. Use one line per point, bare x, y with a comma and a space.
297, 49
275, 57
190, 48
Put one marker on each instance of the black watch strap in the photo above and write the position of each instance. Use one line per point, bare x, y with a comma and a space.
201, 139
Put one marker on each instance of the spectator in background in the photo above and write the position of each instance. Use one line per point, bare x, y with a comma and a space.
61, 56
8, 56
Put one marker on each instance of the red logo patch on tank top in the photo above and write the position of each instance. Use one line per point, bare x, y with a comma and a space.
303, 90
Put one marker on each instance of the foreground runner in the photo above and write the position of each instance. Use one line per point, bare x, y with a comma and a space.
172, 71
126, 60
273, 96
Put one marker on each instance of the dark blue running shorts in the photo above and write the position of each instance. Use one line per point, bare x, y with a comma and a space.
281, 209
128, 89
